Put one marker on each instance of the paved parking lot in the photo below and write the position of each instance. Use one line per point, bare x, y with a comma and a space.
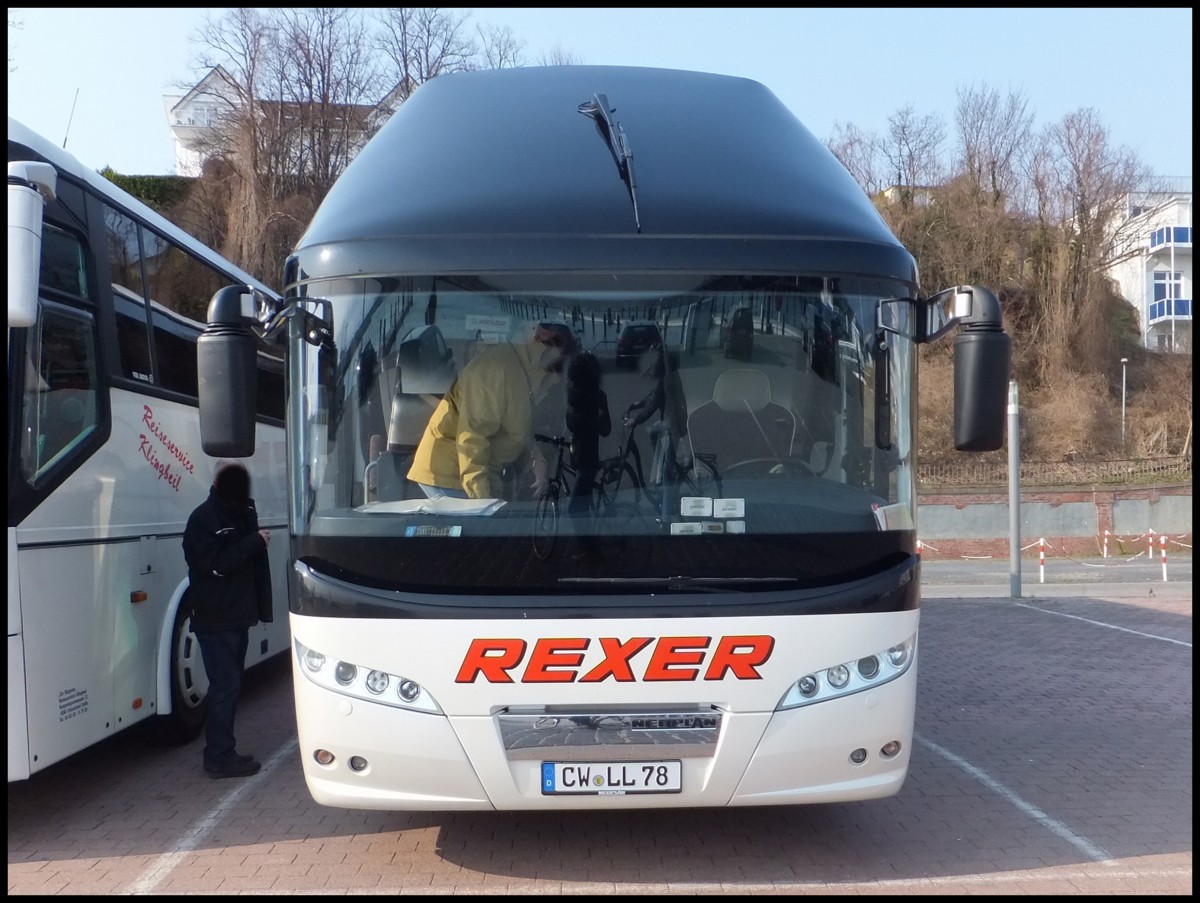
1053, 755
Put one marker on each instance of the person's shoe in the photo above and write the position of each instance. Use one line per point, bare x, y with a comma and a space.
240, 767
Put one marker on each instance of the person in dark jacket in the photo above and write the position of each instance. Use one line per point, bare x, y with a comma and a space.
587, 420
230, 592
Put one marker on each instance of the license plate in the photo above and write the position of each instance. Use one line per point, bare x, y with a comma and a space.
611, 778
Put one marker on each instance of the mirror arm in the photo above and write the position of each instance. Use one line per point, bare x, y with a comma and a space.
972, 306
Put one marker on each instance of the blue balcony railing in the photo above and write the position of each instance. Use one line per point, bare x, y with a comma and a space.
1176, 235
1179, 308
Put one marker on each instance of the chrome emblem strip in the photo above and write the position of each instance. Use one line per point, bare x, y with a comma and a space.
622, 735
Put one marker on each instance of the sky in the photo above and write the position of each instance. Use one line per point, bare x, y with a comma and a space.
95, 78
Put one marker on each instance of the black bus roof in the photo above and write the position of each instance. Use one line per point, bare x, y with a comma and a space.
502, 170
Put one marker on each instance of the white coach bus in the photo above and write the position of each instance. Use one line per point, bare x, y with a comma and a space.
104, 460
744, 631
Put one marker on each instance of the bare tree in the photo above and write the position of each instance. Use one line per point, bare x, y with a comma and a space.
295, 89
913, 151
238, 49
330, 85
858, 151
1080, 184
558, 56
423, 43
14, 24
499, 49
992, 130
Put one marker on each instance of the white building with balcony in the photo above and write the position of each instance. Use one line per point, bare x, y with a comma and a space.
1153, 267
189, 117
193, 115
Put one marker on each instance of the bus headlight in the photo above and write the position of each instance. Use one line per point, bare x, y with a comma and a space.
313, 660
854, 676
361, 682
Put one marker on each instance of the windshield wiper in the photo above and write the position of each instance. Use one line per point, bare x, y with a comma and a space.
618, 145
700, 584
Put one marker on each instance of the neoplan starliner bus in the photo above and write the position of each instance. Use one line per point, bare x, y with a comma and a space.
106, 302
762, 646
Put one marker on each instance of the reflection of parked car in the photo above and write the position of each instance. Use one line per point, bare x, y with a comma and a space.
737, 333
636, 339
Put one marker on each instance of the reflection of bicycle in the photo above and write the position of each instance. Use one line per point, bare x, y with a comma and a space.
697, 476
546, 512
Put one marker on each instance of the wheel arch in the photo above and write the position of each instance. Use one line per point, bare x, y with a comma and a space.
162, 678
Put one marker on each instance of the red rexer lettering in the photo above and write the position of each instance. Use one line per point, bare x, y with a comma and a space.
505, 660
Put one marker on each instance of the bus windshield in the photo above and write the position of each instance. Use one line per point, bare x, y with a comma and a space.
768, 443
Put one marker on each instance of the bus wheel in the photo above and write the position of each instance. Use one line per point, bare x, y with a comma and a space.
189, 684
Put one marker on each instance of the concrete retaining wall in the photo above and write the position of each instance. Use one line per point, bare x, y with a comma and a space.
1072, 521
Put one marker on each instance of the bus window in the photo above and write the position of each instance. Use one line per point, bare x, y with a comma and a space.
125, 262
176, 358
63, 267
177, 280
59, 409
270, 389
132, 342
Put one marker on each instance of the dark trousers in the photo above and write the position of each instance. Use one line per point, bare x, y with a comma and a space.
224, 654
580, 506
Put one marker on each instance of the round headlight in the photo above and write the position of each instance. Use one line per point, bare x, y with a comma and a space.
868, 667
313, 660
408, 690
345, 673
898, 654
807, 685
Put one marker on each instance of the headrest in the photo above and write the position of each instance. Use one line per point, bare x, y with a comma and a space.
742, 391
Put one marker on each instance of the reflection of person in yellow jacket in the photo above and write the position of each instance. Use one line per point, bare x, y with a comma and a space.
485, 421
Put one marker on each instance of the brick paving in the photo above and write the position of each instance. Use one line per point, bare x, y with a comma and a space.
1053, 756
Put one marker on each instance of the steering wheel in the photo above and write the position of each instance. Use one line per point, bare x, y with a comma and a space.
781, 466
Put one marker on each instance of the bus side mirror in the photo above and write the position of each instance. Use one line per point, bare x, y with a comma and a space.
31, 185
981, 361
226, 362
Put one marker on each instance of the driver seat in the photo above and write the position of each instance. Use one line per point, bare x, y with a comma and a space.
741, 423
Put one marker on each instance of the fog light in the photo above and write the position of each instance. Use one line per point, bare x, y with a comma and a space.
868, 667
807, 685
408, 690
891, 748
858, 756
839, 676
358, 763
345, 673
323, 757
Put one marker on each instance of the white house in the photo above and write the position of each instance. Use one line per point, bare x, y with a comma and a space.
189, 115
217, 94
1153, 266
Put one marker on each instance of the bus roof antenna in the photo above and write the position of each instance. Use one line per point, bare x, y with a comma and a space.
70, 119
618, 145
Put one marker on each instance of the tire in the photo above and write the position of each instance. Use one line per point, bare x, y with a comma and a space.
628, 481
189, 684
545, 524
